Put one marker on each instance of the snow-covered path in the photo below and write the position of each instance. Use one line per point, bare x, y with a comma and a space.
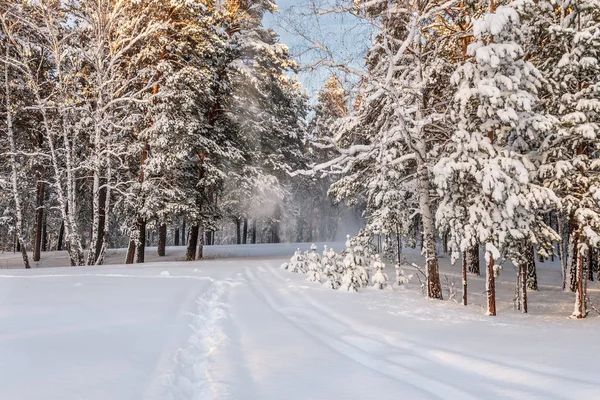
244, 329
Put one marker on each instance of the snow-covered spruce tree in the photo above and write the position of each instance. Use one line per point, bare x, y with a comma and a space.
570, 153
484, 182
394, 137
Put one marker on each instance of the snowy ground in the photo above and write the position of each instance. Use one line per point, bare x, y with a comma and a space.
241, 328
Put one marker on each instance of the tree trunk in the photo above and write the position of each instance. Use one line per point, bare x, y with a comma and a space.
102, 198
39, 222
592, 263
190, 255
141, 244
398, 244
434, 287
201, 243
530, 268
130, 252
473, 260
183, 236
254, 231
61, 234
464, 278
238, 231
571, 276
491, 287
245, 231
162, 239
176, 236
45, 232
579, 310
524, 283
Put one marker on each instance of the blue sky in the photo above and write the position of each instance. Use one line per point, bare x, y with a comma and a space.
331, 29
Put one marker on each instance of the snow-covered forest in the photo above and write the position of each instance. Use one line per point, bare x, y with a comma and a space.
468, 125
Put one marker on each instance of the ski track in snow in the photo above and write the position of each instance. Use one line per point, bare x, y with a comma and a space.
408, 356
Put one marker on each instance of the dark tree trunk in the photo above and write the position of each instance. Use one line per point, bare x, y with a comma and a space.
572, 263
254, 231
190, 255
176, 236
17, 245
592, 263
238, 231
101, 219
183, 236
530, 269
524, 283
398, 244
162, 240
45, 232
130, 252
141, 245
491, 287
39, 222
473, 260
245, 231
61, 236
464, 278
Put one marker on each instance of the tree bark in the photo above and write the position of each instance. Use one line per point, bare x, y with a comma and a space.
238, 230
592, 263
130, 252
201, 243
491, 287
45, 232
176, 238
530, 268
102, 198
473, 260
580, 306
141, 244
464, 278
254, 231
524, 283
190, 255
245, 231
573, 255
162, 240
61, 234
39, 222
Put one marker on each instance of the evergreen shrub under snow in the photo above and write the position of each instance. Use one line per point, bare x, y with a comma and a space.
354, 268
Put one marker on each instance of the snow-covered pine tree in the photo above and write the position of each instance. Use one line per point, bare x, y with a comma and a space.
569, 164
484, 182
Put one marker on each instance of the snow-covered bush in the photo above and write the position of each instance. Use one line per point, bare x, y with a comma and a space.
297, 264
314, 265
401, 278
380, 278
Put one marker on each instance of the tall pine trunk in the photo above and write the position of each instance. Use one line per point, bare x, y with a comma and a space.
61, 235
464, 278
253, 231
141, 243
201, 243
245, 231
572, 257
579, 310
238, 231
434, 287
162, 240
491, 286
530, 268
38, 232
190, 254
